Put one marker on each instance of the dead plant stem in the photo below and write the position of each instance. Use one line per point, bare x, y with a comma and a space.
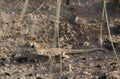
110, 36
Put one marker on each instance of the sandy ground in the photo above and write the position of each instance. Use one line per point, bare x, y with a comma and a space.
16, 60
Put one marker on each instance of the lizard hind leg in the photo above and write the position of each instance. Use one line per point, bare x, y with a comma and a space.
65, 57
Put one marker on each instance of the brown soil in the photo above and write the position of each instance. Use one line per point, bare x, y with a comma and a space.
16, 60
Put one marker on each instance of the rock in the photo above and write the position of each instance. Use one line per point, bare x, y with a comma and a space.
102, 76
38, 76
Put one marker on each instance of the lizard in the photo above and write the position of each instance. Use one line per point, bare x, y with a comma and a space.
60, 51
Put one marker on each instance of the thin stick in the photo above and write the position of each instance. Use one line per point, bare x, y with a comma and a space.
101, 28
108, 27
57, 31
23, 10
41, 5
56, 38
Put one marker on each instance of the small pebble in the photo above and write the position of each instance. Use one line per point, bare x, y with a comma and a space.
86, 43
86, 72
92, 64
38, 76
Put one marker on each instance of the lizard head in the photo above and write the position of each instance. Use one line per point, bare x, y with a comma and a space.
38, 49
34, 45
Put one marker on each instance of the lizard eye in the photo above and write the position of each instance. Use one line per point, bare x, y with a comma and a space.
32, 46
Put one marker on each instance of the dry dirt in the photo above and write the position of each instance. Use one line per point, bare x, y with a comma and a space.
16, 60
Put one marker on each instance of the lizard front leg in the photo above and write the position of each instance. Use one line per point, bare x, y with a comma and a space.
49, 58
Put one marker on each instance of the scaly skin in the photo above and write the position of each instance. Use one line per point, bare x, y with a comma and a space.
59, 51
